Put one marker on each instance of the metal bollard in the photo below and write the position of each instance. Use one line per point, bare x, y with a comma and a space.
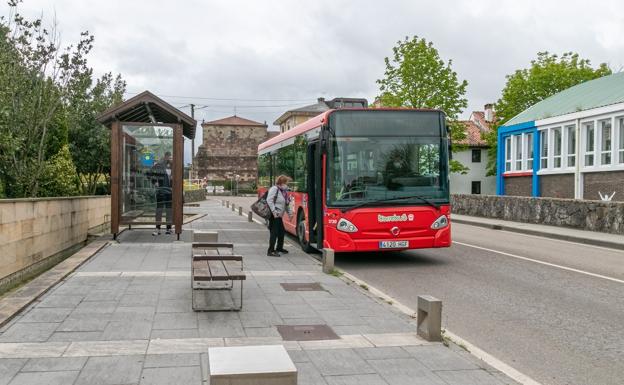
250, 216
227, 204
328, 260
429, 318
240, 210
233, 208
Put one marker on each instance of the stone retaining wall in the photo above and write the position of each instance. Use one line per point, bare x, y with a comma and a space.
32, 230
194, 195
600, 216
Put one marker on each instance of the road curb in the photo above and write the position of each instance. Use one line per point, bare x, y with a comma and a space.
561, 237
472, 349
375, 293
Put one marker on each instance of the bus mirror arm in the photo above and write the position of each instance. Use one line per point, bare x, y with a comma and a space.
450, 148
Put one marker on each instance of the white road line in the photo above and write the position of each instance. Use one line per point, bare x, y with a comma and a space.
541, 262
541, 237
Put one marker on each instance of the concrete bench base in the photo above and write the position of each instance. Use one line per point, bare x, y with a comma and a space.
251, 365
205, 236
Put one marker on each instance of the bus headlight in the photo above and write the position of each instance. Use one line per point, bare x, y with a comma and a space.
440, 223
346, 226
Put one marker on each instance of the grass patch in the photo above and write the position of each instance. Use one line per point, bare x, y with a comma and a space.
363, 286
336, 273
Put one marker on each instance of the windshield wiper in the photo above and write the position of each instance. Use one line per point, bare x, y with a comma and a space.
363, 204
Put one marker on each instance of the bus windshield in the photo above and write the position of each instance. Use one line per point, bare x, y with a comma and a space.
382, 167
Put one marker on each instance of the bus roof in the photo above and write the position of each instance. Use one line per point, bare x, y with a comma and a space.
321, 119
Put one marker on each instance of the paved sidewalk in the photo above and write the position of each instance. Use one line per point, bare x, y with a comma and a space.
564, 233
125, 317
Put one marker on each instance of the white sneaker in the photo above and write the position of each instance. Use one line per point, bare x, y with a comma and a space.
155, 233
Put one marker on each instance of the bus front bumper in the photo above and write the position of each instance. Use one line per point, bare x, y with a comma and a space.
343, 242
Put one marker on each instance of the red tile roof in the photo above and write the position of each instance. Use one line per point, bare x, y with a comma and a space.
475, 127
233, 121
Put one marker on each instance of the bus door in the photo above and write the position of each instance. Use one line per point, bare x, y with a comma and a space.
315, 194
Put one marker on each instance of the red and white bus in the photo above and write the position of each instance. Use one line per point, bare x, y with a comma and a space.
364, 179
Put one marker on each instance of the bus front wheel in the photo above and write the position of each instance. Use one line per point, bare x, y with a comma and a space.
301, 230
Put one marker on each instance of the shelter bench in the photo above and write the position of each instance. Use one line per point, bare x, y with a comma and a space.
216, 267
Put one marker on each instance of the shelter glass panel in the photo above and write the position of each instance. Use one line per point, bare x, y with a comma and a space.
146, 174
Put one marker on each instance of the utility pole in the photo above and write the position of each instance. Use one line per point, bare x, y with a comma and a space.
192, 146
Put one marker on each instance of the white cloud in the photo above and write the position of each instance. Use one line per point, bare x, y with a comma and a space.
302, 50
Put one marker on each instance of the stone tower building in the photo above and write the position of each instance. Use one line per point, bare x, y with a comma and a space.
230, 148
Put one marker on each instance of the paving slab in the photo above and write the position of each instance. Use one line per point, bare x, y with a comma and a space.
124, 317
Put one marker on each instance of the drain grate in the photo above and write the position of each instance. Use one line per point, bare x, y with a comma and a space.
306, 332
310, 286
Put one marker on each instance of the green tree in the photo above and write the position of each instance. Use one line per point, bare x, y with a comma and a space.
417, 77
59, 177
35, 73
547, 75
89, 141
47, 96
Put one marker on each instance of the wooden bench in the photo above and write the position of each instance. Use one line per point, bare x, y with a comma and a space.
216, 267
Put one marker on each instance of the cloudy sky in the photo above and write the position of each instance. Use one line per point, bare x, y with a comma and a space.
264, 57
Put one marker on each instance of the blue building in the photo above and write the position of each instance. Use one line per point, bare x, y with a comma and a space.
570, 145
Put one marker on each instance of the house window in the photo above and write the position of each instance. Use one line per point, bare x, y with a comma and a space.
544, 154
517, 139
529, 150
621, 140
508, 153
605, 141
476, 156
476, 187
557, 146
590, 133
571, 145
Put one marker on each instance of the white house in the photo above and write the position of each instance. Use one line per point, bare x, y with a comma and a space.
475, 158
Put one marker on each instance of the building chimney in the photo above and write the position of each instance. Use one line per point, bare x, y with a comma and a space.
489, 112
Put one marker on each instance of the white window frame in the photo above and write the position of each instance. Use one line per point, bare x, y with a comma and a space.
517, 141
528, 148
619, 140
508, 154
600, 151
544, 134
584, 136
554, 157
567, 129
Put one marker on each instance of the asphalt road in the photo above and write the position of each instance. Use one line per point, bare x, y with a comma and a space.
560, 324
557, 326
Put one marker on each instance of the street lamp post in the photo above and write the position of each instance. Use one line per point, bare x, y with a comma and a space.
237, 178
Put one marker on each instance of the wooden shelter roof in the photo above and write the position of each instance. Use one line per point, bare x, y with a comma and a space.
148, 108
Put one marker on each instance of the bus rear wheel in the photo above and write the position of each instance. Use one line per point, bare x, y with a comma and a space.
301, 231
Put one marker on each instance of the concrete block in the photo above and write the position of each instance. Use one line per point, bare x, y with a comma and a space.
233, 207
328, 260
251, 365
240, 210
7, 212
429, 318
250, 216
227, 204
205, 236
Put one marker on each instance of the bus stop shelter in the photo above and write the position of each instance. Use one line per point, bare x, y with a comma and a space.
147, 162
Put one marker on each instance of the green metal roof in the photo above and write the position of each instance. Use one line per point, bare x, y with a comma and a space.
592, 94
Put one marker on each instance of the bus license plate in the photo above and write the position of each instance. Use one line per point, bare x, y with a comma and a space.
393, 244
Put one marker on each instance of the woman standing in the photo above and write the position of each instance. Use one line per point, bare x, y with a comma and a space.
277, 199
